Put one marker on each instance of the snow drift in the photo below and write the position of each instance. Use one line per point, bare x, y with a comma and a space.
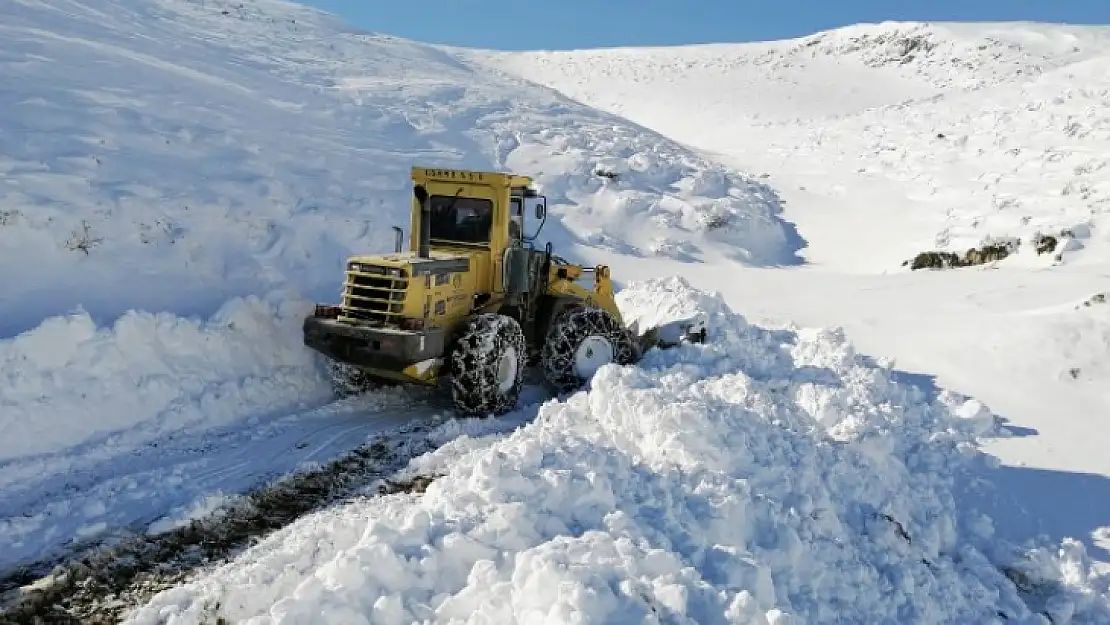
174, 157
769, 476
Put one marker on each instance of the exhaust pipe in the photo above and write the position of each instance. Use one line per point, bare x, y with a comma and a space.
425, 231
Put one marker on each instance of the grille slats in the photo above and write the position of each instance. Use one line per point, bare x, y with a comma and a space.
373, 298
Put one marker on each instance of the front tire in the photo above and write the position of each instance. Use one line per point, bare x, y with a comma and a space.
581, 341
487, 365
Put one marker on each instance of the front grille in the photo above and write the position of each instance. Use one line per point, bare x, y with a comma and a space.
373, 297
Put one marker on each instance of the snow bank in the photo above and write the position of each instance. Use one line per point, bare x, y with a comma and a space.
769, 476
150, 375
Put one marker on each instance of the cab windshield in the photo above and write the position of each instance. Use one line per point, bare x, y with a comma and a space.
461, 219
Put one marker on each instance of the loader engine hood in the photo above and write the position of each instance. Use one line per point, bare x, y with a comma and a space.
403, 289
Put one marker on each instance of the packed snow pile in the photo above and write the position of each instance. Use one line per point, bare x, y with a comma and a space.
149, 375
768, 476
641, 198
165, 162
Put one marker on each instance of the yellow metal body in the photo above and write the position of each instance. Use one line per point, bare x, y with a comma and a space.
600, 296
390, 290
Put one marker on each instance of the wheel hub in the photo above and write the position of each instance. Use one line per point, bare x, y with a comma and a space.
591, 355
506, 370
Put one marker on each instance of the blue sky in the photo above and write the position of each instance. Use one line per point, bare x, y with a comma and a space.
561, 24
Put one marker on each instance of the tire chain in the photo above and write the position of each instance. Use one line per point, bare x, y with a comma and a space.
474, 359
568, 332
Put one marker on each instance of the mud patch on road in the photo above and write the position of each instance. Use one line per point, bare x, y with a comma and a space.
100, 585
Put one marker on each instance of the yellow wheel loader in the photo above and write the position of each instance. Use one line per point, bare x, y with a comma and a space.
474, 303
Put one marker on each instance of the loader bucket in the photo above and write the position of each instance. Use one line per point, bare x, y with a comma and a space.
671, 334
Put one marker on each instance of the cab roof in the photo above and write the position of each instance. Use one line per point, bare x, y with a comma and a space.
421, 175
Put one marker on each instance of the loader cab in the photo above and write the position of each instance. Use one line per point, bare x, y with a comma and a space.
477, 215
475, 210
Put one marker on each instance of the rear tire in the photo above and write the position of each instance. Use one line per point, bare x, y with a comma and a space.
487, 365
580, 341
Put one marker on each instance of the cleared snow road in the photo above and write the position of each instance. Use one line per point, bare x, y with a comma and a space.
49, 514
121, 529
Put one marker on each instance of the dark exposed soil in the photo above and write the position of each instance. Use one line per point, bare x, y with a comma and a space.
974, 256
988, 253
1097, 298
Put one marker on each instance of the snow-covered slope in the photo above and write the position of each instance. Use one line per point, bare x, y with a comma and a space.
963, 131
190, 174
218, 151
888, 140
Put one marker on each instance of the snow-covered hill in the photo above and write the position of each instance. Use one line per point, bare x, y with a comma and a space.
247, 159
984, 130
189, 174
889, 140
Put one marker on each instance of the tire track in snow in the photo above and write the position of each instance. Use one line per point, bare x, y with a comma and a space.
64, 513
98, 583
